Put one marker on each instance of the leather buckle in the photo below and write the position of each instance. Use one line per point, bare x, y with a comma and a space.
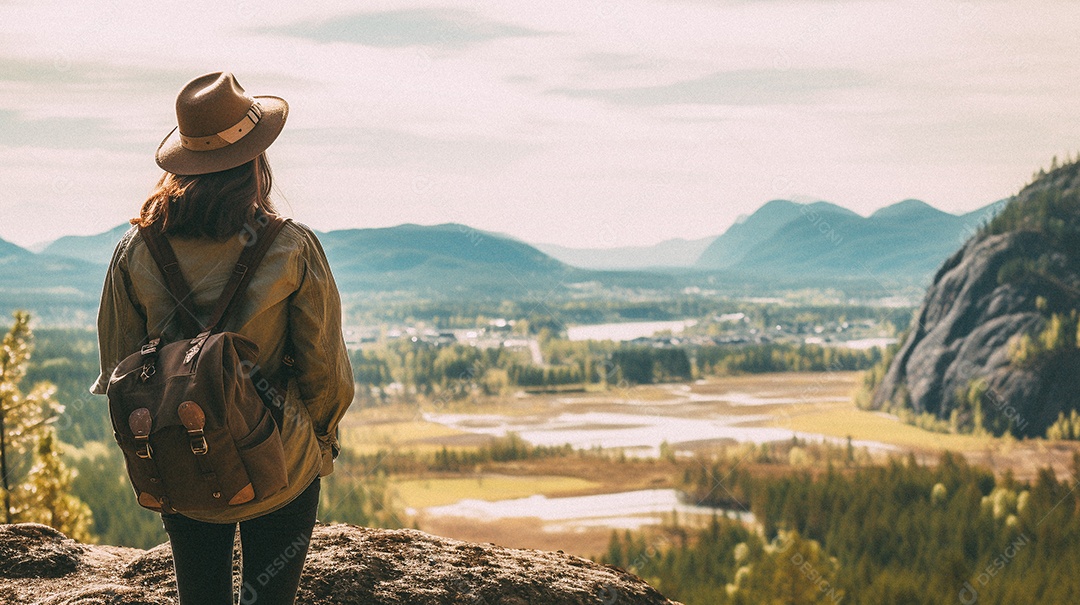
144, 451
140, 423
150, 347
194, 420
191, 353
196, 346
199, 446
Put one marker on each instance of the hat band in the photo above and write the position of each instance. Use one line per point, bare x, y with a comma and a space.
225, 137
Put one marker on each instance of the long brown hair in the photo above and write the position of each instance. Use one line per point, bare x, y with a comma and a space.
215, 205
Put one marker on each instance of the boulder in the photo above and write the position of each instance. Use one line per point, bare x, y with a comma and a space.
346, 565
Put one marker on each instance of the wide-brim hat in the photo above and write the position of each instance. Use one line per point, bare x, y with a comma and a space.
219, 126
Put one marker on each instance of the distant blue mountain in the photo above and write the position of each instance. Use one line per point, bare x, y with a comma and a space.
441, 258
822, 242
9, 252
56, 288
90, 248
729, 249
448, 246
21, 270
676, 252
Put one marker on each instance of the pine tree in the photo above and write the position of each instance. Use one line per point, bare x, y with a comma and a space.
794, 570
47, 492
18, 415
39, 492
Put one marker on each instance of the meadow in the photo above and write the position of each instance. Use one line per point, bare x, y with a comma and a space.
816, 408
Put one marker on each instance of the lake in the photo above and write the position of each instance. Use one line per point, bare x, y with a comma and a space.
636, 434
638, 420
626, 330
622, 510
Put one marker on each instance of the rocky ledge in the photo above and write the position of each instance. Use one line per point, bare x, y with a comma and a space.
346, 565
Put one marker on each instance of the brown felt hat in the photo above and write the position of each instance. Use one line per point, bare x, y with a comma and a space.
220, 126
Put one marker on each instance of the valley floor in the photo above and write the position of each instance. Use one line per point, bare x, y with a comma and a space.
640, 439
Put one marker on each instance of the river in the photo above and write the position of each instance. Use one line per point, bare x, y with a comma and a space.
622, 510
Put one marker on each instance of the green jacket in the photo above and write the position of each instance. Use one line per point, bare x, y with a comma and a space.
292, 292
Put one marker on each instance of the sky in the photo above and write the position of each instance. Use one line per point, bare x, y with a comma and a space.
586, 124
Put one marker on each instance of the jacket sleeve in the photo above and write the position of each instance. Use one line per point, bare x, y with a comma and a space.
121, 320
325, 377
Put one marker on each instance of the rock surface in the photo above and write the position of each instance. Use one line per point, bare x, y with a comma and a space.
969, 317
346, 565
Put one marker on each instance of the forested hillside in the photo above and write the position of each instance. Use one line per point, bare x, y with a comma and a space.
994, 346
879, 535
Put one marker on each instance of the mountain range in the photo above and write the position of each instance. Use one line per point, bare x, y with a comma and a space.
448, 258
63, 288
905, 242
94, 248
782, 244
785, 239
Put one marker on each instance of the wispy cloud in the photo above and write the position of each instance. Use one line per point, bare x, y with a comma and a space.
447, 28
739, 87
615, 62
55, 133
611, 123
34, 71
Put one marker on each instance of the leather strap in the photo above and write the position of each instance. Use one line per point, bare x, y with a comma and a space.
169, 266
257, 244
259, 240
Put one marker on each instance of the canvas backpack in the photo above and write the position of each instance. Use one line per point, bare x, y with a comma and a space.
199, 431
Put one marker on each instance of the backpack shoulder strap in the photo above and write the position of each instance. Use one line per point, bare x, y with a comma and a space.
258, 242
167, 263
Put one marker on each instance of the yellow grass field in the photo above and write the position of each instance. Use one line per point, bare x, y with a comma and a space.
369, 429
843, 419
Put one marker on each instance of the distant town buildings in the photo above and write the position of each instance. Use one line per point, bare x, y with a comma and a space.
724, 329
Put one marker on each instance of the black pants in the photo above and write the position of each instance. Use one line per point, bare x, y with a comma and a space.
274, 547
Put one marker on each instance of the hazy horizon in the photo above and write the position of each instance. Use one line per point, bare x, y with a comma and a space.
36, 246
583, 126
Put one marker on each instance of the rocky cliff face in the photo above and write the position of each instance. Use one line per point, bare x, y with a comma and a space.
959, 361
346, 565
